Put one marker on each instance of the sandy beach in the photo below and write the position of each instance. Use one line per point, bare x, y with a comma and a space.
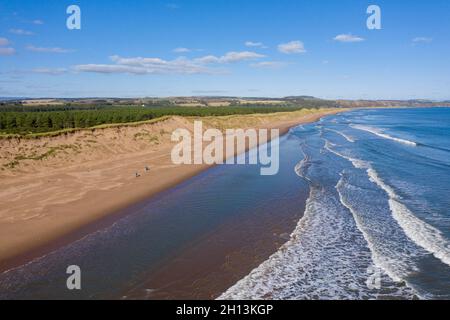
53, 187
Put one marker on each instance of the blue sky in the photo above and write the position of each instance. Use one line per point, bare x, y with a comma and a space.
238, 48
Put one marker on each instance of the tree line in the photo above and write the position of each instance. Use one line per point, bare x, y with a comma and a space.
28, 122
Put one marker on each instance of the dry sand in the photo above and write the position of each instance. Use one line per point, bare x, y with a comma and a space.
52, 186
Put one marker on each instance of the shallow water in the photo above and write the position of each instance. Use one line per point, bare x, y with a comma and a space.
377, 223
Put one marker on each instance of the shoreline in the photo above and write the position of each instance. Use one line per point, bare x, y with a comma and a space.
207, 266
102, 208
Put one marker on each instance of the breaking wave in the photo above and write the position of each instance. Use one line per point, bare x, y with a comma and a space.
381, 134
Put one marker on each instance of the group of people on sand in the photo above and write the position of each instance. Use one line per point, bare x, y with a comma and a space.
147, 169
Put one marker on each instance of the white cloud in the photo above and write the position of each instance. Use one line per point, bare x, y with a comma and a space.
21, 32
240, 56
48, 50
37, 22
182, 50
230, 57
7, 51
292, 47
138, 61
207, 59
141, 66
255, 44
422, 40
348, 38
4, 42
108, 68
269, 64
49, 71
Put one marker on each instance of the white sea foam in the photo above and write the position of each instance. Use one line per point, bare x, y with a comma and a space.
357, 163
382, 134
378, 258
301, 167
326, 258
329, 251
420, 232
346, 136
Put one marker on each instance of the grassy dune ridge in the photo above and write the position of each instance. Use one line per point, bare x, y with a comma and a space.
37, 150
34, 121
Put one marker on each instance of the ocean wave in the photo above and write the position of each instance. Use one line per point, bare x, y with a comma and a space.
326, 258
357, 163
420, 232
381, 134
395, 268
302, 166
346, 136
435, 147
417, 230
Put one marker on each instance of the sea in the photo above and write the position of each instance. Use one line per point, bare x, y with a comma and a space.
377, 221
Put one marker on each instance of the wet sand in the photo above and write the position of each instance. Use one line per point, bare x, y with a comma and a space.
215, 261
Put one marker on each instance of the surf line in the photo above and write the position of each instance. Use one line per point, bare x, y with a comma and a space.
417, 230
381, 134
